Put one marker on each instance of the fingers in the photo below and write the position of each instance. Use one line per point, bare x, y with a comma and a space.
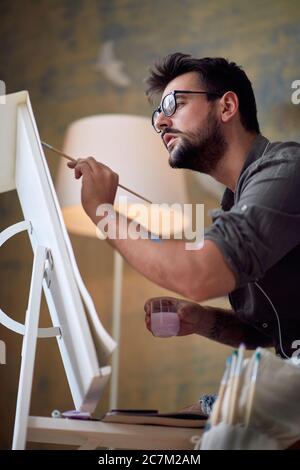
148, 323
95, 165
82, 165
72, 164
82, 168
147, 306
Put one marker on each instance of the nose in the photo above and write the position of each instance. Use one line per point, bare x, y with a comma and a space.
163, 121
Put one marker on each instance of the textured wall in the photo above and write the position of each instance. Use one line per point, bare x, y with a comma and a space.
55, 50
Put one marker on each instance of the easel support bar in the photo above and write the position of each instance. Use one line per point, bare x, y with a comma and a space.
29, 349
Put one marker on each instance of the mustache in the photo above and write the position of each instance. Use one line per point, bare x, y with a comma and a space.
169, 130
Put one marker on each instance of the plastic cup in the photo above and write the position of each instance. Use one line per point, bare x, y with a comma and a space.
164, 321
165, 324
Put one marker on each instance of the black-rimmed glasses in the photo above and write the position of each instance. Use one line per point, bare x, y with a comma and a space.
168, 104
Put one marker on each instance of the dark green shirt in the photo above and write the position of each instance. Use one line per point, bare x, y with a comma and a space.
258, 232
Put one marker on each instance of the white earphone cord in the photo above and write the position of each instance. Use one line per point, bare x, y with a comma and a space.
277, 317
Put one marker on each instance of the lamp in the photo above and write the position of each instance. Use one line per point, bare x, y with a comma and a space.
209, 185
128, 145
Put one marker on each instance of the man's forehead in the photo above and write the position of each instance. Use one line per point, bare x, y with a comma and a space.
187, 81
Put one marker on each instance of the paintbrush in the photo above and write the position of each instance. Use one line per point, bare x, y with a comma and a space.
217, 408
59, 152
253, 379
236, 384
229, 388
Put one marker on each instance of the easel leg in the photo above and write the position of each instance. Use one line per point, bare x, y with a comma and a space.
28, 349
116, 328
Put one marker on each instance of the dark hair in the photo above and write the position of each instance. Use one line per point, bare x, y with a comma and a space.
216, 74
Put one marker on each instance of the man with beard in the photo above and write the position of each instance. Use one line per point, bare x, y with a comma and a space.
208, 122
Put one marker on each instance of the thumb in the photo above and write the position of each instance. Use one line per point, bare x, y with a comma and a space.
147, 306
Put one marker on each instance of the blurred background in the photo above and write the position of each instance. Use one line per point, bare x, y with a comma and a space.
64, 52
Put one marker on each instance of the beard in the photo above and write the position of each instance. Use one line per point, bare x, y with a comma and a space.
200, 151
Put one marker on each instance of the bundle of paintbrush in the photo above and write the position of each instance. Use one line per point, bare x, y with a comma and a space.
226, 406
257, 407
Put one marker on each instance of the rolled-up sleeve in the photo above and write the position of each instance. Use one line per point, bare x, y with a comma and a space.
264, 223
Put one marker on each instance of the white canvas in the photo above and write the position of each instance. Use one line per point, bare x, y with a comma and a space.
25, 169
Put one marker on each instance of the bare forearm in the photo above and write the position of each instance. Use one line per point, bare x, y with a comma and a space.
223, 326
164, 262
196, 274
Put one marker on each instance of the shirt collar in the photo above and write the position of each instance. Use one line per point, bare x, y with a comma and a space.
255, 153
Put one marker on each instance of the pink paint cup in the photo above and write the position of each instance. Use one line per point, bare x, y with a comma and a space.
165, 324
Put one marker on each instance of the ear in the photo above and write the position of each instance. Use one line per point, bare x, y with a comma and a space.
229, 106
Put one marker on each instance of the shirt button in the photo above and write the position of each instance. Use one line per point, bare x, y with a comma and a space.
244, 207
265, 325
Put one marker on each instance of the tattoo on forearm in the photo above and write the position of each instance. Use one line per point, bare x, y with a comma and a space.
228, 329
225, 329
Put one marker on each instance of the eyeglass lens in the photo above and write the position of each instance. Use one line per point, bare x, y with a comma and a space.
168, 106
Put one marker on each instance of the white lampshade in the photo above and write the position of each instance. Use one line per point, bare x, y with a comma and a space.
209, 185
130, 147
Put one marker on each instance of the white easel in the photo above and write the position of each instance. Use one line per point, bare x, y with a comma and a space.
85, 434
56, 273
41, 270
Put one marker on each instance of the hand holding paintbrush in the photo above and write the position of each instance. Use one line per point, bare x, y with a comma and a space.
74, 162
